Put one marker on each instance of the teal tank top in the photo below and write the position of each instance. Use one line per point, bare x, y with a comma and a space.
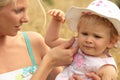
23, 73
29, 48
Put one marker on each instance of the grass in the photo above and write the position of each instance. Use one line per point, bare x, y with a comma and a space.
37, 20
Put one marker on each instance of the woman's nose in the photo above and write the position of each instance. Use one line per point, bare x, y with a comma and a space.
25, 19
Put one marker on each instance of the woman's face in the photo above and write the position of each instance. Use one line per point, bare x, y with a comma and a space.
12, 16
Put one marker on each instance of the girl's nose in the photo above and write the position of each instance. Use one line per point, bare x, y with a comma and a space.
89, 40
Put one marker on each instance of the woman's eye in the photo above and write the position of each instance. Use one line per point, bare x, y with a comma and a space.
19, 10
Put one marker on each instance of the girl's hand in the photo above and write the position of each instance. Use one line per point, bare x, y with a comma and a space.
57, 14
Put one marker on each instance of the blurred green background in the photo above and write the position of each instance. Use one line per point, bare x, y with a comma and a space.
39, 21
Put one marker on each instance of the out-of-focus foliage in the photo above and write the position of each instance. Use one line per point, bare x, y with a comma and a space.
118, 2
49, 2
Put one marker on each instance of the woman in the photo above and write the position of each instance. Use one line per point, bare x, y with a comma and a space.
22, 54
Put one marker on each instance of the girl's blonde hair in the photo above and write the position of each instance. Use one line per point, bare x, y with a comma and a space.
97, 20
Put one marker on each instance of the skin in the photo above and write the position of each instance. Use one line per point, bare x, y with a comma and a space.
90, 75
13, 21
17, 16
51, 60
94, 39
13, 51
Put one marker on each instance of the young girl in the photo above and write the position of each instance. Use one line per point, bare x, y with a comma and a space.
98, 28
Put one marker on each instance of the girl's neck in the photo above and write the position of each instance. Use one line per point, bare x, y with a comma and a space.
102, 55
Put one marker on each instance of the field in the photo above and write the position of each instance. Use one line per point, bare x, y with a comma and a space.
37, 20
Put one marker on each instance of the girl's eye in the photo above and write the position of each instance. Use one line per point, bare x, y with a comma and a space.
85, 34
97, 36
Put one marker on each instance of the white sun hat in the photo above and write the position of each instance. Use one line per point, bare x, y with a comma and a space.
103, 8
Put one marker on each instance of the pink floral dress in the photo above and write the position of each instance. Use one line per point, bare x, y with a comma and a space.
83, 63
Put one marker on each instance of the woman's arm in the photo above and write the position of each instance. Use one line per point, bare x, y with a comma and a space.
58, 56
108, 72
55, 71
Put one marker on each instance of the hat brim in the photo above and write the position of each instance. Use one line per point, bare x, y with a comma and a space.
74, 13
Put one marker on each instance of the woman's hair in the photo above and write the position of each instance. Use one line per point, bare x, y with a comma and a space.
5, 2
92, 19
44, 12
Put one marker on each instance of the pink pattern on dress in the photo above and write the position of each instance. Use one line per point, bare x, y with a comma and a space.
78, 59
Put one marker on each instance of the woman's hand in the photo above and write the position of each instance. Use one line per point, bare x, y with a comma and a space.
58, 56
90, 75
93, 76
63, 54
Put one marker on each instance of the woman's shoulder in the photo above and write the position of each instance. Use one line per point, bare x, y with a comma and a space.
34, 35
36, 38
37, 42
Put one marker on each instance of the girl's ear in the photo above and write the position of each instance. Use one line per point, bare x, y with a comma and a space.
113, 42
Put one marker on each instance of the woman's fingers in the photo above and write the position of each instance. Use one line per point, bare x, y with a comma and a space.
90, 75
68, 44
75, 77
93, 76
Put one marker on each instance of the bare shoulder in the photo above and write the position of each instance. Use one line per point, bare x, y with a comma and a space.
108, 72
35, 35
35, 38
37, 42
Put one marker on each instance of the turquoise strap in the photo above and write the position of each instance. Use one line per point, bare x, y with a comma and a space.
29, 48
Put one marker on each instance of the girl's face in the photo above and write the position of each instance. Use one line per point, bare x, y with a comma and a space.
94, 39
12, 16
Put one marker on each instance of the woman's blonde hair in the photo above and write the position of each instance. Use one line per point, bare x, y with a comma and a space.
5, 2
44, 12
